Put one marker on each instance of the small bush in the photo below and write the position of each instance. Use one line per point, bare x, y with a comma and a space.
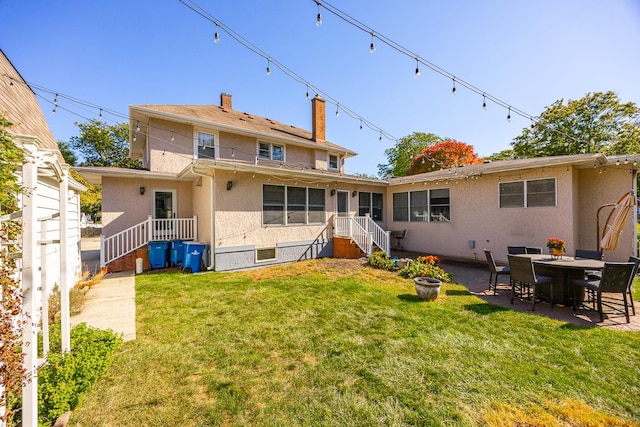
66, 376
425, 266
380, 260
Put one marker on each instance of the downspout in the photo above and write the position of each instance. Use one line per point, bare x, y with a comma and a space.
212, 253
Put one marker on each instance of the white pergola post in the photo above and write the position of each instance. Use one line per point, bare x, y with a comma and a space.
30, 284
65, 277
44, 294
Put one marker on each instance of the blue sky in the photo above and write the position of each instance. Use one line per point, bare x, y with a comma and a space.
528, 54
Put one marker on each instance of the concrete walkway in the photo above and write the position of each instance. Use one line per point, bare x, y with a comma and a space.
110, 304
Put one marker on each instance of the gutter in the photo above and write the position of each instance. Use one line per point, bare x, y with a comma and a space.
212, 253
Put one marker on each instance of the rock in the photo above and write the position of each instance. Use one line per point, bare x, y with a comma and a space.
63, 420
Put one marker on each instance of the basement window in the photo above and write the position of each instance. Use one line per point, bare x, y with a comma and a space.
265, 254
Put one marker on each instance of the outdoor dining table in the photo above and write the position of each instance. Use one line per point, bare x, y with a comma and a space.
562, 271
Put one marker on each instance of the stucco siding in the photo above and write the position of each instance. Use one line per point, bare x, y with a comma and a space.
237, 147
166, 155
123, 206
596, 190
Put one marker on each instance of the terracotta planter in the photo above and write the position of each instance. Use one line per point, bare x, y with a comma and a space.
427, 288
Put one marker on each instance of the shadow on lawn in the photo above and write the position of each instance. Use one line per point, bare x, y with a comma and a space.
409, 298
485, 309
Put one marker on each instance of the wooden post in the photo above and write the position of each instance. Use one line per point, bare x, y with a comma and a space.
45, 291
30, 284
65, 278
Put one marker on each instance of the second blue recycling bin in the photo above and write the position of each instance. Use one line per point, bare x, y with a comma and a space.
192, 256
177, 253
158, 254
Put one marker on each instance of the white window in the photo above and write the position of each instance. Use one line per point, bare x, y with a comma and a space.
370, 203
333, 161
265, 254
422, 206
283, 205
206, 145
532, 193
269, 151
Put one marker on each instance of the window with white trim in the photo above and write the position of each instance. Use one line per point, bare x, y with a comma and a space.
529, 193
334, 161
422, 206
285, 205
269, 151
206, 143
370, 203
265, 254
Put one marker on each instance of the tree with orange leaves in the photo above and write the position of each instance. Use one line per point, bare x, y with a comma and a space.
442, 155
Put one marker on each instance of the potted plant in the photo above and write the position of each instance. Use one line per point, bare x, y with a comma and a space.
427, 276
557, 246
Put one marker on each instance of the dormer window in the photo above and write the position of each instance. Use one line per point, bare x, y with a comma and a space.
206, 146
333, 162
269, 151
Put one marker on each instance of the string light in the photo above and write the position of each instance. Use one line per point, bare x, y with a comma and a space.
307, 92
509, 115
134, 137
372, 47
216, 37
453, 91
100, 114
417, 68
484, 102
360, 125
138, 126
337, 110
173, 137
268, 66
319, 18
55, 100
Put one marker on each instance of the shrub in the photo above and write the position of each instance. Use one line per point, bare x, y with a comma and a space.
380, 260
66, 376
425, 266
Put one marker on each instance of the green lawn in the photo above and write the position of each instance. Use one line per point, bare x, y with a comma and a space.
313, 343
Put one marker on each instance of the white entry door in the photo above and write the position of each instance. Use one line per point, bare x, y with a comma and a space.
164, 210
342, 207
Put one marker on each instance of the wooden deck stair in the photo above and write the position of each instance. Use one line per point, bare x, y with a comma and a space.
346, 248
128, 262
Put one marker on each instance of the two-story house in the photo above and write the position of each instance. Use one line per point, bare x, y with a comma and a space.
257, 192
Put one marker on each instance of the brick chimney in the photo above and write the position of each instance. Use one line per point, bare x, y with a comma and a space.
318, 119
225, 101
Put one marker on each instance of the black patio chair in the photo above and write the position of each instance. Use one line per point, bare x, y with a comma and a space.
533, 250
636, 262
615, 280
516, 250
495, 269
399, 235
523, 276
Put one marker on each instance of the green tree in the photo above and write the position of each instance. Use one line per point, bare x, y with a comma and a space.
100, 144
67, 153
597, 123
400, 156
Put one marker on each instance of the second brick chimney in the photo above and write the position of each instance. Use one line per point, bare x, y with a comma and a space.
225, 101
318, 119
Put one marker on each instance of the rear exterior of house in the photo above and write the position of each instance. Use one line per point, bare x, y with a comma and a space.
259, 192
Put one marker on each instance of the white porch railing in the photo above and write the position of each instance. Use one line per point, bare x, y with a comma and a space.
120, 244
364, 231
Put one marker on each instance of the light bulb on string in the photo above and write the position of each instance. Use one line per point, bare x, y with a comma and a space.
509, 115
626, 161
618, 162
268, 66
100, 114
484, 101
135, 137
54, 110
380, 139
55, 100
360, 125
307, 92
216, 37
337, 110
138, 126
372, 47
319, 18
417, 68
453, 91
173, 137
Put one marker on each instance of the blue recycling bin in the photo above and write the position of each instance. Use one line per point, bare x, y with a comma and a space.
192, 256
176, 253
158, 251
